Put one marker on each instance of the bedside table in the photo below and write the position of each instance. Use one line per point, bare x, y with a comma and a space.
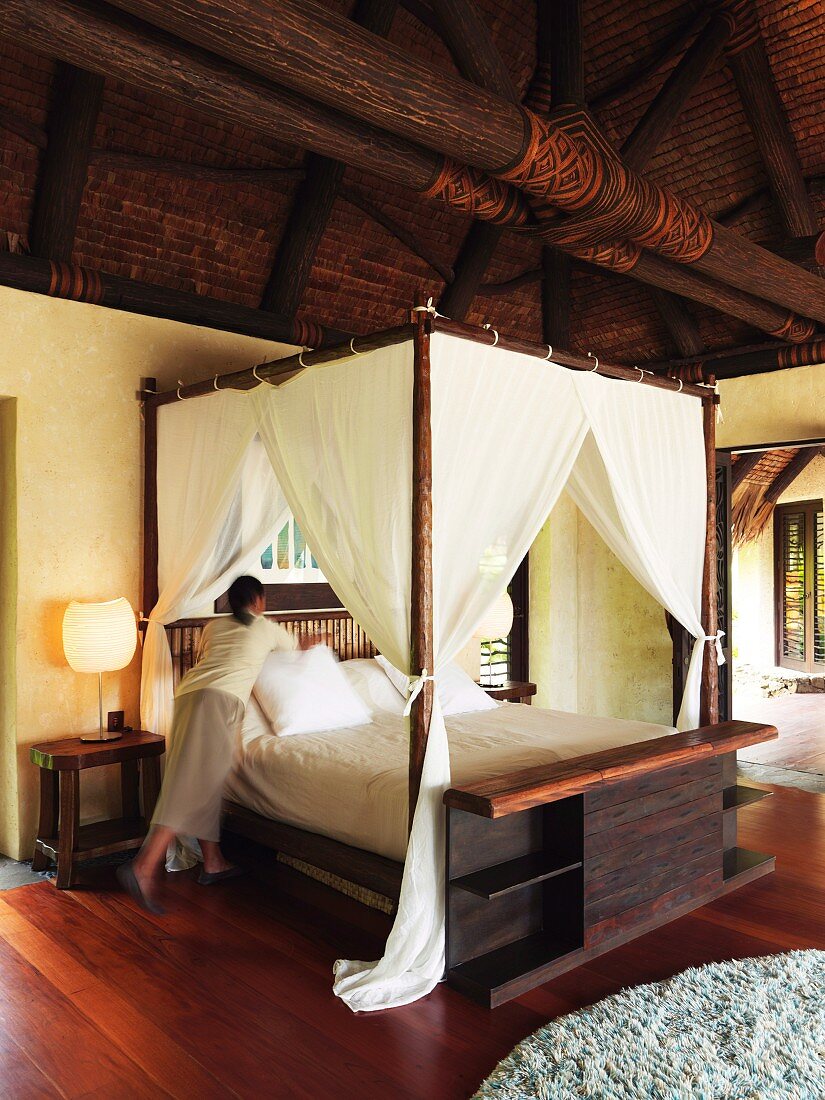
59, 835
513, 691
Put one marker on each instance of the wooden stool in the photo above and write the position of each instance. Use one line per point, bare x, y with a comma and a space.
60, 836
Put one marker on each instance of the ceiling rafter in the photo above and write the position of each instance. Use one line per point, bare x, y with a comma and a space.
410, 241
743, 465
81, 284
314, 199
478, 60
763, 109
560, 49
76, 99
647, 136
193, 100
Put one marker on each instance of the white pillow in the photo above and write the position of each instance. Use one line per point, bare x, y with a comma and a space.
304, 691
372, 685
457, 692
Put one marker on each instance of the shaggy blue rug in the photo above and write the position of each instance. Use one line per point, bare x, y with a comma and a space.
749, 1030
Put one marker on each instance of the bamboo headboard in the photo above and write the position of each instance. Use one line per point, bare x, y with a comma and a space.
344, 635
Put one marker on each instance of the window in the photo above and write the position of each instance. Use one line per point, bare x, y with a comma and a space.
506, 658
799, 548
288, 559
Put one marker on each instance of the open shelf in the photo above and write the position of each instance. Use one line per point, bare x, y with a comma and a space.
739, 863
735, 797
101, 838
518, 960
503, 878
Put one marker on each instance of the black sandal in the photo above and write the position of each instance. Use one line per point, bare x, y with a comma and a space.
125, 875
207, 878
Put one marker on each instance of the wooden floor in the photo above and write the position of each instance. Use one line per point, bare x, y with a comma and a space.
229, 995
800, 720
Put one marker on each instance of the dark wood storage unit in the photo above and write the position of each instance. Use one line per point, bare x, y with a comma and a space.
549, 867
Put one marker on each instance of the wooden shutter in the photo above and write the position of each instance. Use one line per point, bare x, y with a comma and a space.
800, 586
790, 550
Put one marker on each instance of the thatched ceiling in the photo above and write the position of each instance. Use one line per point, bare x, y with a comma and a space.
220, 238
759, 481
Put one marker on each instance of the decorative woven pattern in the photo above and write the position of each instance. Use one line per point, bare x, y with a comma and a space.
727, 1031
219, 239
342, 885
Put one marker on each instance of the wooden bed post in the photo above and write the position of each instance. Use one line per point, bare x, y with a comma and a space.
421, 589
149, 596
709, 703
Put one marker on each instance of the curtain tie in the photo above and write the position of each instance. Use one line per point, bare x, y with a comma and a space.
415, 687
717, 637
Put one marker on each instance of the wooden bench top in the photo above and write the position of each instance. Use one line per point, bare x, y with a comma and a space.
522, 790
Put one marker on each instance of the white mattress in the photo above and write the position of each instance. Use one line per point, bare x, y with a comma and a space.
351, 784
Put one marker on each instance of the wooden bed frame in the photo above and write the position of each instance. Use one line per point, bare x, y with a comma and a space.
548, 867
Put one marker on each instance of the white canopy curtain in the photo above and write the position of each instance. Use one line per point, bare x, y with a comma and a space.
340, 440
204, 448
640, 480
508, 432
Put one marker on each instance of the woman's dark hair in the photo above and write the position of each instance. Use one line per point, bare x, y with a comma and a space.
242, 593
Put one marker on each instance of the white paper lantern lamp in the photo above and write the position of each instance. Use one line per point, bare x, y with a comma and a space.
99, 637
498, 622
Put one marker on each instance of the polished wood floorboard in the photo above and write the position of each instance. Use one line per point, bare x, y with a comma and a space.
229, 994
800, 720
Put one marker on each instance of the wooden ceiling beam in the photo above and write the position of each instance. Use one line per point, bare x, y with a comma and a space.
314, 199
678, 320
785, 478
62, 280
496, 290
647, 136
144, 57
763, 109
752, 359
560, 53
305, 225
556, 160
658, 120
672, 46
111, 161
740, 209
76, 99
477, 59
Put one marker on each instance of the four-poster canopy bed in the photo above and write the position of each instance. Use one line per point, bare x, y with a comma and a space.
546, 865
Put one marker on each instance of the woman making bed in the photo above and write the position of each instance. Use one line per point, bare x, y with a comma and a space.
209, 708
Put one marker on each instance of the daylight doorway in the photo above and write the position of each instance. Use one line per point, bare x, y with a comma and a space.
778, 608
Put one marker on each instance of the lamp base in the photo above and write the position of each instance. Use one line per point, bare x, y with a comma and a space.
101, 735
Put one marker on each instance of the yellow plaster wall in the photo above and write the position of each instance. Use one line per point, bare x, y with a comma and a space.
598, 641
74, 370
8, 623
771, 408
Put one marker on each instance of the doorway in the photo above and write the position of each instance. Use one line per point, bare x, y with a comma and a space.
777, 598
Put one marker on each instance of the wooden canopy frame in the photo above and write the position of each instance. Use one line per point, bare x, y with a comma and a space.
423, 323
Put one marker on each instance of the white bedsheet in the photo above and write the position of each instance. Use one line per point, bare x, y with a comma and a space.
351, 784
